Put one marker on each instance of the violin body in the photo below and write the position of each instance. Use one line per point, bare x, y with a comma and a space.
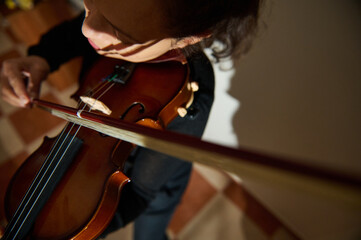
86, 198
80, 189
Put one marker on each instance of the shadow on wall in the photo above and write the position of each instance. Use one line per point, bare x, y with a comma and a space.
299, 86
299, 89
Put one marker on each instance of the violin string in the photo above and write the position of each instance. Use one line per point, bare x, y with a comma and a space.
45, 167
106, 90
53, 170
36, 180
39, 177
89, 93
99, 86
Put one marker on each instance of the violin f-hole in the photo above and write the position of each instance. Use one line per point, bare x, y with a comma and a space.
141, 109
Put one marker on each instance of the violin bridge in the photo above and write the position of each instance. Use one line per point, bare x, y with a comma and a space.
95, 104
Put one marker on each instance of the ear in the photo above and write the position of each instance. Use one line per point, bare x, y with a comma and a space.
182, 43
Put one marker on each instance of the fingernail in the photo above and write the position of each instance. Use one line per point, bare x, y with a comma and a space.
24, 100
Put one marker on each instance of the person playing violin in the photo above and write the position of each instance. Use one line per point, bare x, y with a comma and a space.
143, 31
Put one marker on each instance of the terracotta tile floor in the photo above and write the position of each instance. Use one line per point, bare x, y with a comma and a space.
213, 207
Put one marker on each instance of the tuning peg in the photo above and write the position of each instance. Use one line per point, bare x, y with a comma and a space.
194, 86
182, 111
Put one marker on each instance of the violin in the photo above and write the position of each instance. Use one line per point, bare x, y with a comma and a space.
70, 186
83, 211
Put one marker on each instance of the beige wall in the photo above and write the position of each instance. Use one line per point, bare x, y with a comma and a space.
297, 93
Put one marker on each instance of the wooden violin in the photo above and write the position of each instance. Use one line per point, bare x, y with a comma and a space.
70, 186
149, 132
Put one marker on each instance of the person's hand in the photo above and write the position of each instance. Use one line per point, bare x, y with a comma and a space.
21, 78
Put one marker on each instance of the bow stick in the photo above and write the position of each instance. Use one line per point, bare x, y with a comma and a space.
246, 164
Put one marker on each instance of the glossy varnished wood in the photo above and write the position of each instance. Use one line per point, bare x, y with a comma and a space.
85, 200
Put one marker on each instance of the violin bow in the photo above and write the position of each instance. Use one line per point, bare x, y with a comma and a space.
249, 165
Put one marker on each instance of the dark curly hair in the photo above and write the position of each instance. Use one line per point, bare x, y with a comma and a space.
232, 23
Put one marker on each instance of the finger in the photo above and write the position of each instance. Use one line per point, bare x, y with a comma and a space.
9, 96
18, 86
33, 87
16, 82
